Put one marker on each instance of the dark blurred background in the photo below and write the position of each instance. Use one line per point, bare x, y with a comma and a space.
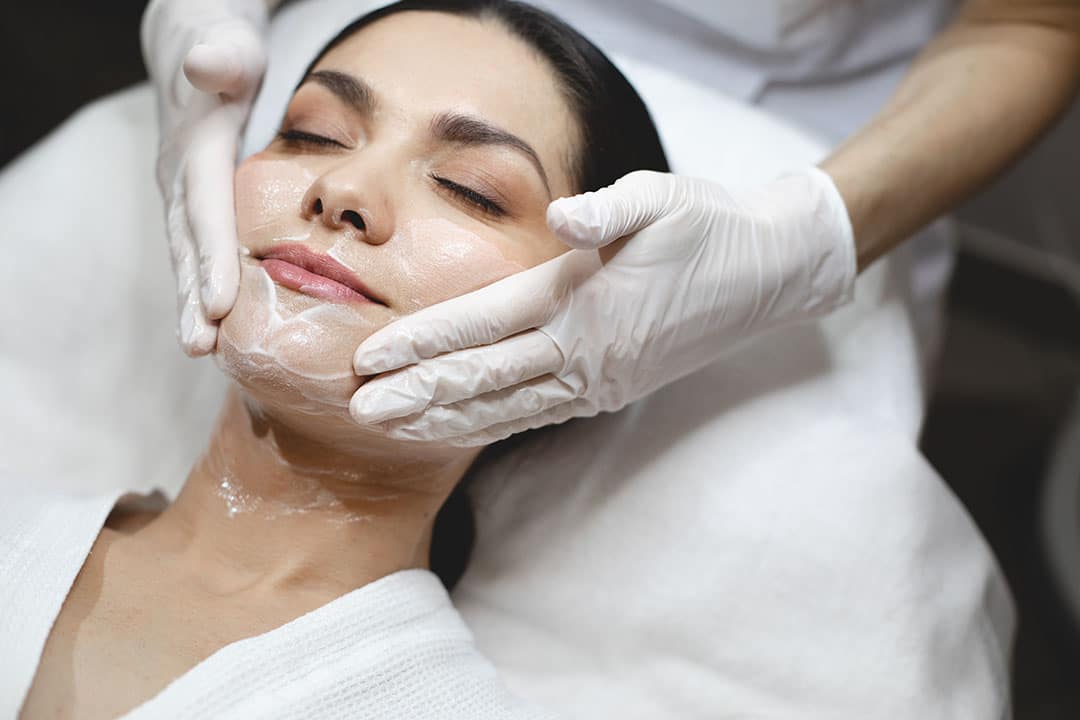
55, 56
1009, 382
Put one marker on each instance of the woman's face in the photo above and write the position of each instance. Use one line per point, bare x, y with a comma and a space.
414, 164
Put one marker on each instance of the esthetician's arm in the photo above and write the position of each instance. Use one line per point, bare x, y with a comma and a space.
708, 267
974, 100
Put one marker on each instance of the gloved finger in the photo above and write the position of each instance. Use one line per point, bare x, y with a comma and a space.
456, 376
525, 400
196, 334
208, 185
552, 416
229, 62
214, 69
594, 219
519, 302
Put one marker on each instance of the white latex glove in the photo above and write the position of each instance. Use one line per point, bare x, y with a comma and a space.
592, 331
206, 59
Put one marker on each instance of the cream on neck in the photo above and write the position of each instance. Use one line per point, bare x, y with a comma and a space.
266, 509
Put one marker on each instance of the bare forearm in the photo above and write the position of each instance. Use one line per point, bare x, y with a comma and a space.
973, 101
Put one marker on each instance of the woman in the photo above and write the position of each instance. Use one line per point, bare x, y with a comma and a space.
414, 163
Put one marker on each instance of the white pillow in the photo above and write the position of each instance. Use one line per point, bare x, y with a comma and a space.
96, 391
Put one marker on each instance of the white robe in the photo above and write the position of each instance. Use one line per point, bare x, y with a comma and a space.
395, 648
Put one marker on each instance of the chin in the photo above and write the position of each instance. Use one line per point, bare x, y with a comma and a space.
291, 356
282, 342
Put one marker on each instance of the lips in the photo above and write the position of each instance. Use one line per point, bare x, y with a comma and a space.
298, 268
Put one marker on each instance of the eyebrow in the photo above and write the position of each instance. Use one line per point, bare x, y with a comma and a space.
451, 127
351, 90
455, 127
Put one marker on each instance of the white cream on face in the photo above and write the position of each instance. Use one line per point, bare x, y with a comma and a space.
429, 260
270, 193
280, 338
290, 349
291, 340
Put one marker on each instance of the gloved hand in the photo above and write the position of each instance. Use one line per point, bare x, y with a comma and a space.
216, 45
592, 331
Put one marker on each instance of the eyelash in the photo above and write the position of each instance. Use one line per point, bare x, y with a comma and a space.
483, 202
478, 200
300, 137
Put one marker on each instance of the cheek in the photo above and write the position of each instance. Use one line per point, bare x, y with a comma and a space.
269, 192
435, 259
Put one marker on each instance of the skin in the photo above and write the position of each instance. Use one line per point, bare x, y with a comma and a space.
974, 100
272, 522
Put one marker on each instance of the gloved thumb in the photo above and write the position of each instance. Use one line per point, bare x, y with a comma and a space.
594, 219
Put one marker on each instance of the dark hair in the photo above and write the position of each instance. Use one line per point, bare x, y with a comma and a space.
617, 136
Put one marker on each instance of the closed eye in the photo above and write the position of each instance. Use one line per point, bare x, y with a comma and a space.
299, 137
478, 200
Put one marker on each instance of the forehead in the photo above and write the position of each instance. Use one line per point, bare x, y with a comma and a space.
423, 63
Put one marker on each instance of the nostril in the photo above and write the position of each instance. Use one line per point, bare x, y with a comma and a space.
351, 216
318, 206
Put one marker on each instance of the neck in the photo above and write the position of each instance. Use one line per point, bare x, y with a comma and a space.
267, 508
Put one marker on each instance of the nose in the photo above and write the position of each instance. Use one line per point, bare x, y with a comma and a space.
338, 200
